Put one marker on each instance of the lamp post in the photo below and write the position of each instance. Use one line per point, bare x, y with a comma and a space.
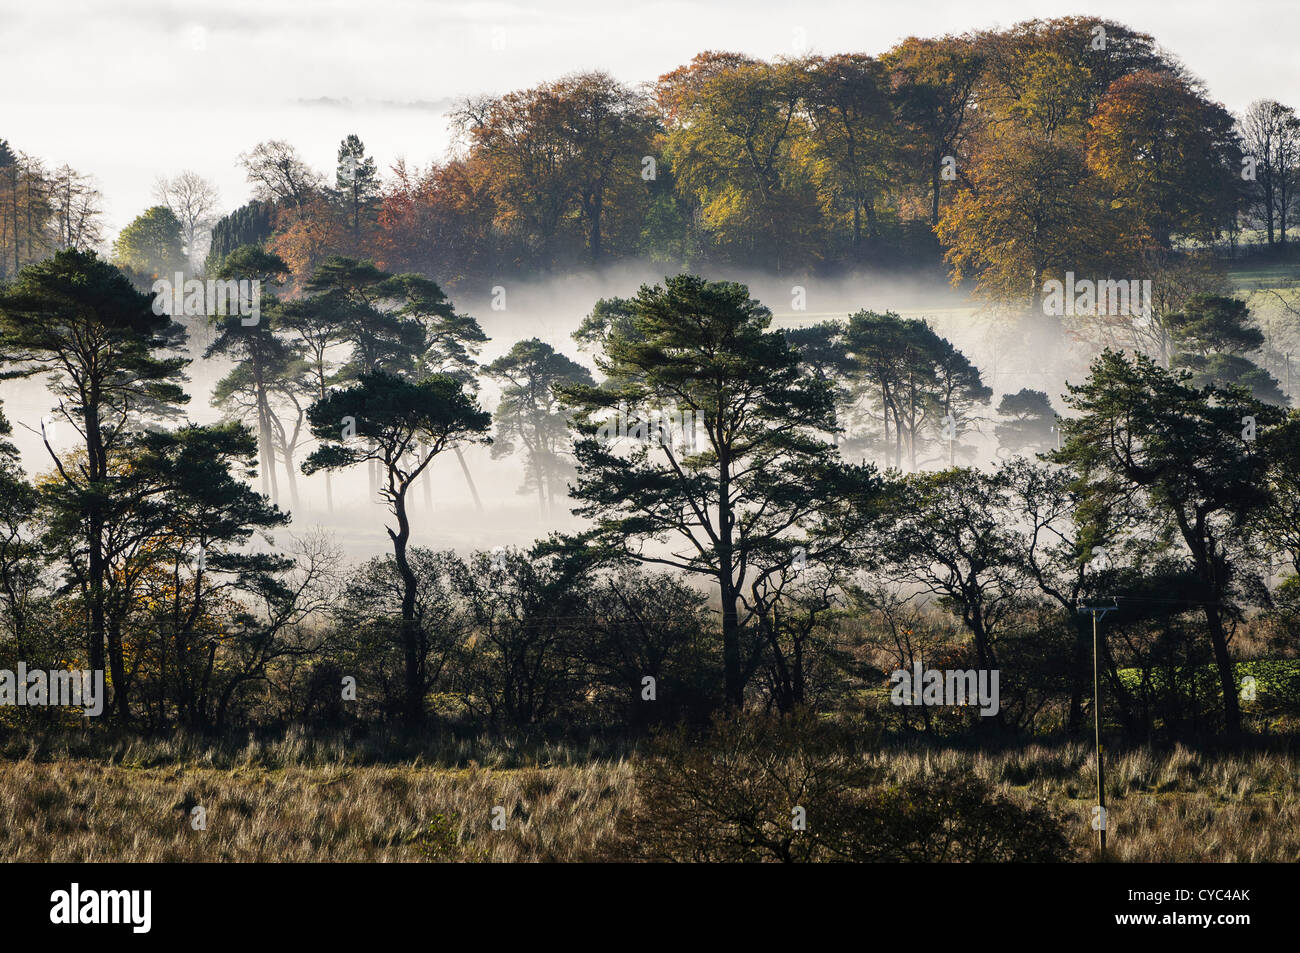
1098, 612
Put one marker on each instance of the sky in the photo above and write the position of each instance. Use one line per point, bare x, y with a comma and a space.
128, 90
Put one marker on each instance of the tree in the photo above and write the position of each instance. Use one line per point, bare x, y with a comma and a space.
401, 425
609, 129
25, 210
913, 378
363, 302
1279, 523
934, 92
1149, 449
529, 412
306, 235
1032, 212
564, 153
20, 581
357, 180
724, 471
152, 245
440, 220
77, 221
193, 200
249, 224
1030, 423
278, 174
851, 135
1270, 135
527, 613
1168, 153
1213, 334
404, 324
731, 139
263, 358
369, 622
192, 516
949, 536
111, 363
1051, 74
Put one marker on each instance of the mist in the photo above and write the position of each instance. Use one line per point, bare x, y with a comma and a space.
1012, 351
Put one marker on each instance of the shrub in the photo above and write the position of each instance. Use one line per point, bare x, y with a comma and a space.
793, 789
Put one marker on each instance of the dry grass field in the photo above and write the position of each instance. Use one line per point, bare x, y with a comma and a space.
283, 803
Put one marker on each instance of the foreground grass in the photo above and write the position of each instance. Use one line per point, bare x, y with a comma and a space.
1172, 805
88, 811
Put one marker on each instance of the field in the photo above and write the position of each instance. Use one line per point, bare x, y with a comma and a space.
300, 799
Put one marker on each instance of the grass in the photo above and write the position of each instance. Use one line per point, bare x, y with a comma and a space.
283, 804
88, 811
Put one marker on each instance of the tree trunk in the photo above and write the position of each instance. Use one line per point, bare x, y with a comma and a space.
1227, 678
460, 458
95, 536
733, 687
414, 700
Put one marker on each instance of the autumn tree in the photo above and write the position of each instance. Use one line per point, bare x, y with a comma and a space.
734, 126
1032, 212
851, 137
439, 220
1168, 153
564, 154
934, 83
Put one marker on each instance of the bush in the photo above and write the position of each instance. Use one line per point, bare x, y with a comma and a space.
793, 789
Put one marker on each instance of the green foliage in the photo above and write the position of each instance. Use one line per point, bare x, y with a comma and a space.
152, 245
249, 224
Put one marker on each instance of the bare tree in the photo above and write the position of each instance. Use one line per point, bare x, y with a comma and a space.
278, 173
193, 200
77, 220
1271, 137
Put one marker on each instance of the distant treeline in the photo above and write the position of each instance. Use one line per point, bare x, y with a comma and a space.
1072, 144
1055, 145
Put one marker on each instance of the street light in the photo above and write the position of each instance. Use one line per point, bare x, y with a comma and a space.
1098, 612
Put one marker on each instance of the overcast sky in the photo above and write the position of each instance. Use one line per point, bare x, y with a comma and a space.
131, 89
